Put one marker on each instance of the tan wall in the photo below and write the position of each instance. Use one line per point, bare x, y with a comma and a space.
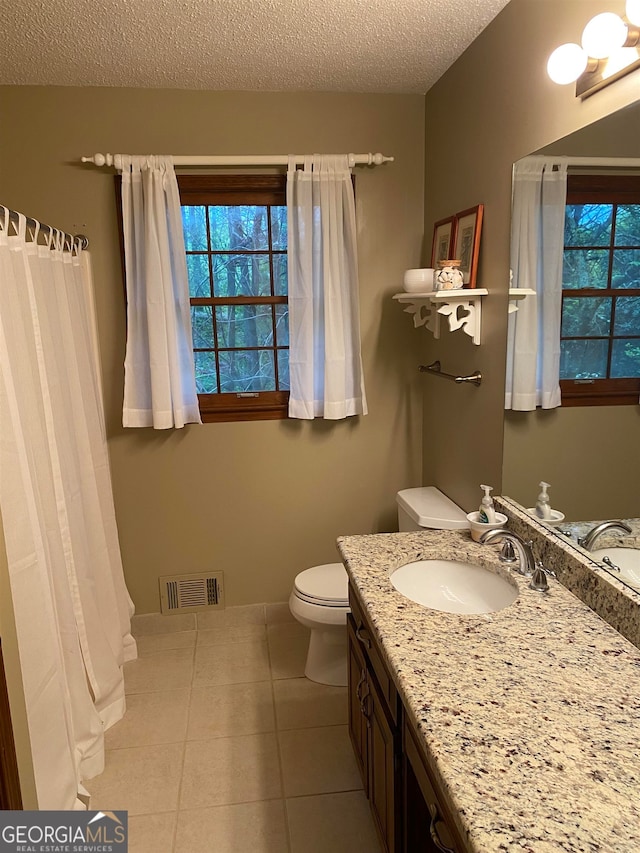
11, 660
262, 500
588, 455
492, 107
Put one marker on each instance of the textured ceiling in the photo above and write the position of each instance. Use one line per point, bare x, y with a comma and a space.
270, 45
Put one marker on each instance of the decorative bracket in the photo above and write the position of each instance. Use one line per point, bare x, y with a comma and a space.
461, 307
516, 294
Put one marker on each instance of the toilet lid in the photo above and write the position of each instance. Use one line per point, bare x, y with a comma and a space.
327, 585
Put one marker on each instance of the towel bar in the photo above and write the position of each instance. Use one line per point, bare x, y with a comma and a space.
436, 369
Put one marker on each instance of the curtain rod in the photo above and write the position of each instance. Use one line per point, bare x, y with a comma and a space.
241, 160
621, 162
14, 217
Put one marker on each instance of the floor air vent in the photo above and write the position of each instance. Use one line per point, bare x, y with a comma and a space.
183, 593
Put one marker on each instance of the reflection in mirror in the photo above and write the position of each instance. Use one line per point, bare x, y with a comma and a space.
590, 454
613, 544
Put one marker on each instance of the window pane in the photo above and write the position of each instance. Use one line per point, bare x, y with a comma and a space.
241, 326
202, 326
625, 358
586, 317
247, 371
587, 224
198, 271
280, 281
206, 379
241, 275
627, 316
279, 227
628, 225
583, 359
283, 369
585, 268
626, 268
238, 227
282, 325
194, 227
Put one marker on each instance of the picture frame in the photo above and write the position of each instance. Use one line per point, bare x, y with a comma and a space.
444, 235
466, 245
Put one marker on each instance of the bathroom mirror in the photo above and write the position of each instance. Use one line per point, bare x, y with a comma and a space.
589, 454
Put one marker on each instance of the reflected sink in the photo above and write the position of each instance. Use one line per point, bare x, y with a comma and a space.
626, 559
454, 587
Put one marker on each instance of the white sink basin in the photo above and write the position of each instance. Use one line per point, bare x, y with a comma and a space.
454, 587
627, 560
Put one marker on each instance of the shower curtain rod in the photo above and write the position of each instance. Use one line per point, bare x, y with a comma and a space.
240, 160
14, 217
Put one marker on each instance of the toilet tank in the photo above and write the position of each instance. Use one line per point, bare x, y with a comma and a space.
428, 507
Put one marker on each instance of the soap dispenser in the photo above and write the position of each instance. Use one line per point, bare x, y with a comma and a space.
543, 507
487, 510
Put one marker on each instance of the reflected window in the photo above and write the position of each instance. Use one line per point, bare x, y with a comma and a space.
600, 337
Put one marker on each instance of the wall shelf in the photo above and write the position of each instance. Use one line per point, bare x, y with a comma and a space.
516, 294
462, 308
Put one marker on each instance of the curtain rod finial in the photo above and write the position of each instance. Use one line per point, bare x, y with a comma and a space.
99, 159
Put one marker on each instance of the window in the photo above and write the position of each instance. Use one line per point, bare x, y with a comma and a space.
600, 336
235, 233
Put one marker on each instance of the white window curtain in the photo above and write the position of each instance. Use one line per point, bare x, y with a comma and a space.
537, 243
325, 363
71, 606
159, 385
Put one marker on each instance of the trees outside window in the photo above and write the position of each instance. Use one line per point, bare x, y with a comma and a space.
235, 232
600, 337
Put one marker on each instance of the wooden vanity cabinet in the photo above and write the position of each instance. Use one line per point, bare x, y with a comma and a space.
427, 822
407, 809
374, 731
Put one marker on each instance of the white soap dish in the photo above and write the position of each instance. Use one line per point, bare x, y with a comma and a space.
479, 527
556, 517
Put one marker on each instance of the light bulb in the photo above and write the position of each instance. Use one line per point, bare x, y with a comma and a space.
603, 35
633, 12
566, 63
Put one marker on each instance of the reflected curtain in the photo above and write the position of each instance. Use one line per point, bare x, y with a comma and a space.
325, 362
537, 244
159, 385
71, 606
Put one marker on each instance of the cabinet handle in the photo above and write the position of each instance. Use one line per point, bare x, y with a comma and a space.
433, 830
361, 634
363, 678
365, 706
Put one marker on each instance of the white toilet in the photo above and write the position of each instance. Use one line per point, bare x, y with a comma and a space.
320, 595
320, 600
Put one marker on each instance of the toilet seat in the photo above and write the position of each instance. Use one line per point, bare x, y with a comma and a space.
323, 586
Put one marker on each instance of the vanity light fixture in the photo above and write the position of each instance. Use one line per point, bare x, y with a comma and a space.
610, 48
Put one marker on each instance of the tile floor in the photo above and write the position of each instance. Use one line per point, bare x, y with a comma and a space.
226, 747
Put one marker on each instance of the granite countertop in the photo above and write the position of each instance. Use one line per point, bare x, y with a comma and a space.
530, 716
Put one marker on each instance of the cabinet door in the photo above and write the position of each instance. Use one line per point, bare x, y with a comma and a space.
383, 766
428, 827
358, 689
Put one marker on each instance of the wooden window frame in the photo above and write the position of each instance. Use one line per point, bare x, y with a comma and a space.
602, 189
238, 189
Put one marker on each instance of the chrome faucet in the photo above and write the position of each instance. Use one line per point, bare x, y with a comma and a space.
589, 538
526, 561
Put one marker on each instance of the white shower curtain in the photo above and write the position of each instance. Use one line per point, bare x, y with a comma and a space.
159, 380
537, 244
325, 363
71, 607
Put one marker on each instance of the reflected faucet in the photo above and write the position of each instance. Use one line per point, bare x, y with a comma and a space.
589, 538
526, 561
